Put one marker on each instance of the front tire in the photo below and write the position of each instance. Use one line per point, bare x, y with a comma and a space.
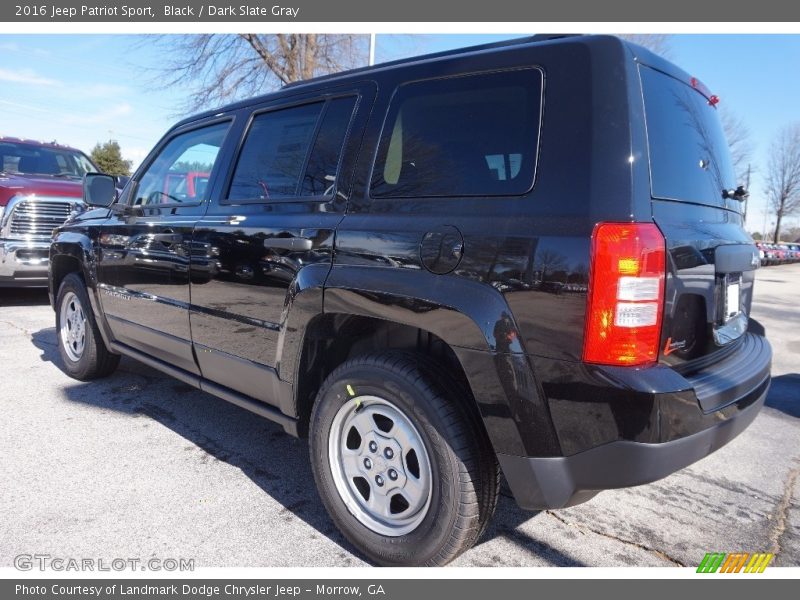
401, 460
82, 349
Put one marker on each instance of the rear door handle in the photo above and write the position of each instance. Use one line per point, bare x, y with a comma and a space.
289, 243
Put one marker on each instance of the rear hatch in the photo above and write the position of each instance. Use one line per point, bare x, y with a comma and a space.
710, 257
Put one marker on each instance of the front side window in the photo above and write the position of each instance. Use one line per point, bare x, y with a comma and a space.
172, 178
475, 135
292, 152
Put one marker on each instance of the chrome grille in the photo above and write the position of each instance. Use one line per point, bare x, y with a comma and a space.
37, 217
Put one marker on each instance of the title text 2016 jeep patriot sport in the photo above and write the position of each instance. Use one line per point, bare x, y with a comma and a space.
525, 257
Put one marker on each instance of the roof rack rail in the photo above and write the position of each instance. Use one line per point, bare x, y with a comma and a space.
542, 37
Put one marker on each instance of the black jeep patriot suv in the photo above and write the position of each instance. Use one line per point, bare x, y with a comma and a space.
525, 258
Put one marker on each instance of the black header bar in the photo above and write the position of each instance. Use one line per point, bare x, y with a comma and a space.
362, 11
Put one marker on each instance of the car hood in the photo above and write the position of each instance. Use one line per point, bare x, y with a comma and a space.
13, 185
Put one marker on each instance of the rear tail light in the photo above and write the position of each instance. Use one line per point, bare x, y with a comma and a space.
626, 294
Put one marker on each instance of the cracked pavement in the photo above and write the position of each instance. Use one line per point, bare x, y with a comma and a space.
141, 465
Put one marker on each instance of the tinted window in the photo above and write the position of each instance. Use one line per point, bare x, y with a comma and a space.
169, 177
689, 156
324, 160
464, 136
272, 163
274, 152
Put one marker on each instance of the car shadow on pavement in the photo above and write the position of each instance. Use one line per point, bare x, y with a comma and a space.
507, 524
24, 297
275, 461
47, 342
784, 394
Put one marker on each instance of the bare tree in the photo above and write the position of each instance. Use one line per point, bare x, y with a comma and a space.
659, 43
219, 68
783, 175
793, 233
739, 141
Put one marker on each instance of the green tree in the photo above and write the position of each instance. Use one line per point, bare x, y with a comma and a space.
108, 157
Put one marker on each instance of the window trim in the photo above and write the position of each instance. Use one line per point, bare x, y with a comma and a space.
156, 152
368, 192
325, 99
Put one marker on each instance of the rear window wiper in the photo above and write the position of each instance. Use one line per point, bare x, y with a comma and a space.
738, 194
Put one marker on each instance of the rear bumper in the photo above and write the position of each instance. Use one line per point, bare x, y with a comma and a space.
686, 425
24, 263
557, 482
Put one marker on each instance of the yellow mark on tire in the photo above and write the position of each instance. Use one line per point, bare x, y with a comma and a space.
350, 390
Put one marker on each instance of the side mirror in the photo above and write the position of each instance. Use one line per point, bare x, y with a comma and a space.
99, 190
121, 181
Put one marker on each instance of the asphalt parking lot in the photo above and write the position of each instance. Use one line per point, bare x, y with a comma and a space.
140, 465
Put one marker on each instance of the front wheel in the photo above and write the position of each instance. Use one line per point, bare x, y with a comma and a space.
80, 344
401, 460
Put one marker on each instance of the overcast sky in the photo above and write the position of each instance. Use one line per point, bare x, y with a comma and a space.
81, 89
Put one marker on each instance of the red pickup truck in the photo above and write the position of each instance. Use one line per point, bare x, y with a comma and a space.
40, 186
185, 185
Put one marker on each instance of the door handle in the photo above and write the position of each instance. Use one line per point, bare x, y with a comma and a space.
289, 243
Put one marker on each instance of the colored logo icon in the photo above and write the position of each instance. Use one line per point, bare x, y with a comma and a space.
738, 562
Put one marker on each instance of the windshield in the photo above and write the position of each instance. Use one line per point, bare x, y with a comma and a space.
26, 159
689, 156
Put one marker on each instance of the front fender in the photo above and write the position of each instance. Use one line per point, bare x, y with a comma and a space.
78, 245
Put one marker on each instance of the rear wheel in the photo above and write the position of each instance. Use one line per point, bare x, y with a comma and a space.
401, 461
80, 344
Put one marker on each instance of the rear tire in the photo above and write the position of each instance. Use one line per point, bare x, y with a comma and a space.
401, 460
80, 344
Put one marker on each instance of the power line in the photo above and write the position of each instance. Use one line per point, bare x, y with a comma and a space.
30, 107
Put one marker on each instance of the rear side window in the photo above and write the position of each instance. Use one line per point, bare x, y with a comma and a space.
689, 155
323, 162
475, 135
273, 154
292, 152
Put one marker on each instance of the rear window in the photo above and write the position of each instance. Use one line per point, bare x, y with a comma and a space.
689, 155
475, 135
